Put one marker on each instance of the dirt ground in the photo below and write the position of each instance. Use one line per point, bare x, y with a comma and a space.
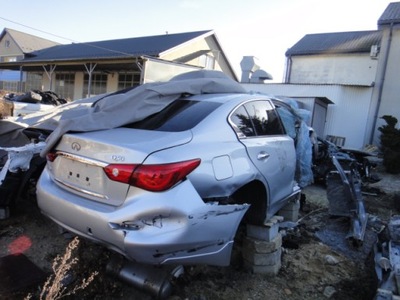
315, 265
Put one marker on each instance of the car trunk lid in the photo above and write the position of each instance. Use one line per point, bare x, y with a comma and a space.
80, 159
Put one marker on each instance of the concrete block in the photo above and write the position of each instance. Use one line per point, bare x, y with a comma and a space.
267, 232
272, 270
260, 246
290, 212
263, 259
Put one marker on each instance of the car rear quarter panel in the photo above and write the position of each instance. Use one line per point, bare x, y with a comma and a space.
174, 226
225, 165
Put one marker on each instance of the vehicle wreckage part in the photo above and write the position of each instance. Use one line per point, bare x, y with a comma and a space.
4, 171
148, 229
387, 262
345, 199
154, 280
16, 173
19, 158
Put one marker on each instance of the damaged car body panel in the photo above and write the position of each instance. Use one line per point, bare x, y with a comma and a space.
147, 228
19, 165
349, 201
343, 171
387, 260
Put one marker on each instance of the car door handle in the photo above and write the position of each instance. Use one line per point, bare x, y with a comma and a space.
262, 155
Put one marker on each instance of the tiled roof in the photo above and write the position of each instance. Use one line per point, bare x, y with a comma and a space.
129, 47
338, 42
391, 14
27, 42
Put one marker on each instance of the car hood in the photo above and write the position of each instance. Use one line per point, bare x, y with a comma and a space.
121, 145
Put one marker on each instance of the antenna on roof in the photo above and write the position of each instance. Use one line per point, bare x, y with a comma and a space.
166, 32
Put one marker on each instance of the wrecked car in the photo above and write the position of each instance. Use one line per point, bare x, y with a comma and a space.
20, 145
29, 102
386, 257
343, 171
164, 173
358, 159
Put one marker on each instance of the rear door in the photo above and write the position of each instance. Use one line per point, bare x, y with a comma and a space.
269, 148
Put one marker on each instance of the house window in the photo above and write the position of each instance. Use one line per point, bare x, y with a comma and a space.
7, 43
126, 80
33, 81
64, 86
99, 84
207, 61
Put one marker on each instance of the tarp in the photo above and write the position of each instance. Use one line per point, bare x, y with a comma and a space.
295, 121
123, 107
11, 134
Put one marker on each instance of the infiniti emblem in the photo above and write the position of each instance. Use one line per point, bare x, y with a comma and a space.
76, 146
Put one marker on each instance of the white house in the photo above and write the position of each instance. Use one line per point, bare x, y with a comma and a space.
80, 70
15, 46
357, 71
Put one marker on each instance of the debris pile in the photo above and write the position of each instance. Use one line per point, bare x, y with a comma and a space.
36, 96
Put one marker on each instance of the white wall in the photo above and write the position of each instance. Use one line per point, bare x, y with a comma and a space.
112, 82
355, 69
390, 97
45, 82
78, 85
12, 50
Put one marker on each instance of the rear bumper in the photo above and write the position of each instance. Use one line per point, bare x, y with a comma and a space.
175, 226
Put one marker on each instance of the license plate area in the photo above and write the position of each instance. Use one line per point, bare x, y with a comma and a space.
79, 174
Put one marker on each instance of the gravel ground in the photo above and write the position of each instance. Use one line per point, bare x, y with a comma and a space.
314, 264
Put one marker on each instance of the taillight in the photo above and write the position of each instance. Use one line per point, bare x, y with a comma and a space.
120, 172
155, 178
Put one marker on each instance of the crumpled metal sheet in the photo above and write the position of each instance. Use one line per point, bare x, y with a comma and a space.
387, 262
349, 202
19, 158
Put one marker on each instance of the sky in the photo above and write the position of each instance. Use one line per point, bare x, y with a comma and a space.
265, 29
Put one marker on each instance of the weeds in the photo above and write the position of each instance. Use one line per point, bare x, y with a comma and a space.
55, 288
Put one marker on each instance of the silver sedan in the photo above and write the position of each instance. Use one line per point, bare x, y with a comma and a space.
173, 187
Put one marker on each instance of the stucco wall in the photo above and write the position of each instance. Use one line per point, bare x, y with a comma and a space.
12, 50
356, 69
390, 95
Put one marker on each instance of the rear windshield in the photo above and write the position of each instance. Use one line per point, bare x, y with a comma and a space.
180, 115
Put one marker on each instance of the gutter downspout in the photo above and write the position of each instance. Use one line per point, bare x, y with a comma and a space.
288, 69
378, 105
